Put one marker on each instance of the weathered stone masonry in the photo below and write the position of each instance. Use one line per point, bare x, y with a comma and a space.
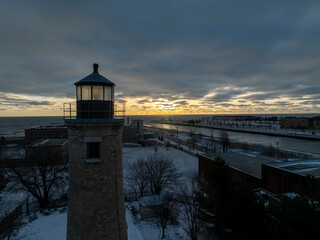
96, 207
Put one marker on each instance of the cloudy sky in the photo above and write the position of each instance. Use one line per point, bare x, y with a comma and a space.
166, 57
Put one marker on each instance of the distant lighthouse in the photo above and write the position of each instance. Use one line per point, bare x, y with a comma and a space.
96, 208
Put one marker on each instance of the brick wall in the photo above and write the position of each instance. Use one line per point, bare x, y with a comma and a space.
96, 208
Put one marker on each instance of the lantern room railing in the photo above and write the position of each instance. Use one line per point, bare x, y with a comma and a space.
70, 111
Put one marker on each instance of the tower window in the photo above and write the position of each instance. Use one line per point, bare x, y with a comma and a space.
93, 150
97, 92
86, 93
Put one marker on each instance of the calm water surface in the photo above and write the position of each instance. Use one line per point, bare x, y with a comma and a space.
14, 126
284, 142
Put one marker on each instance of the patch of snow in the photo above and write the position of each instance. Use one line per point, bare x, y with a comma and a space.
41, 142
45, 227
185, 162
131, 145
151, 200
54, 227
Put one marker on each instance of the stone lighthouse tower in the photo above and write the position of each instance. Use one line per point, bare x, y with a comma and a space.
96, 208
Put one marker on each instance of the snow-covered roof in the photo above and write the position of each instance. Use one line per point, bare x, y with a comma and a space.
50, 142
152, 200
302, 167
247, 163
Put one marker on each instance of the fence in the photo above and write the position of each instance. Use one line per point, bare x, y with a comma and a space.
70, 110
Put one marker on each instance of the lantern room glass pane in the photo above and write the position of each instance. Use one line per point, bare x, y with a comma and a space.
97, 92
86, 92
107, 94
79, 93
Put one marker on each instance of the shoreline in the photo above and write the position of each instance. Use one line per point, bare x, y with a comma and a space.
304, 137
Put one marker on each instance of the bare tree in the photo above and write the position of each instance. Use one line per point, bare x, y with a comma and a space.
193, 138
161, 173
165, 212
225, 141
179, 142
270, 151
136, 177
41, 178
200, 137
190, 210
157, 173
212, 141
177, 132
245, 147
3, 181
167, 144
155, 148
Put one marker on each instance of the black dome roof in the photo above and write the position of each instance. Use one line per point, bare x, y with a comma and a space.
95, 79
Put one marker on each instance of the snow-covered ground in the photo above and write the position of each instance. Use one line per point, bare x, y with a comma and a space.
186, 163
53, 225
10, 200
45, 227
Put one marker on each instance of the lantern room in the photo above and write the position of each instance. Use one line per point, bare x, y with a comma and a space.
95, 96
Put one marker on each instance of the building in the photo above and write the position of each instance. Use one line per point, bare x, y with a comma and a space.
53, 150
297, 122
149, 134
96, 208
130, 135
12, 155
262, 172
285, 177
316, 123
40, 132
147, 205
138, 124
243, 167
134, 133
235, 118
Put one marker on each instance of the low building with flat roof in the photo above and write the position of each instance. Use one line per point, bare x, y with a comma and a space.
243, 167
297, 122
285, 177
55, 150
36, 133
270, 174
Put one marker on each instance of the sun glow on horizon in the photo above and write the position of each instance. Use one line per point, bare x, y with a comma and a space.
213, 103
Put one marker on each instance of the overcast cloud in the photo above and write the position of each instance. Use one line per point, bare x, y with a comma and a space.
244, 56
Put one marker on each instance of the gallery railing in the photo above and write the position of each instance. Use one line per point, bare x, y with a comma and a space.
86, 111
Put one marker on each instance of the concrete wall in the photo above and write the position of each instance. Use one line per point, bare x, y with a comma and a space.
96, 208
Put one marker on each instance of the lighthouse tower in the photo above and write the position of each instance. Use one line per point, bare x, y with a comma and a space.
96, 208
